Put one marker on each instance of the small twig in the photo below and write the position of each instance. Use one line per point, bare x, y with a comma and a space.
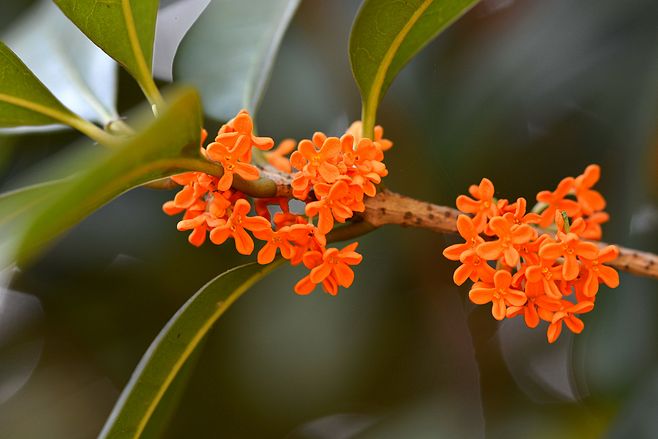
391, 208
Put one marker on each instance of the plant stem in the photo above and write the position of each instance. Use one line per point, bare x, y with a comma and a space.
93, 132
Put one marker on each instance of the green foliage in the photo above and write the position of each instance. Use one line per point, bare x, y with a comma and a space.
171, 349
76, 71
229, 52
385, 36
124, 29
24, 100
168, 146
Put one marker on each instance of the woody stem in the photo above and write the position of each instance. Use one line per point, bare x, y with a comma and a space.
388, 207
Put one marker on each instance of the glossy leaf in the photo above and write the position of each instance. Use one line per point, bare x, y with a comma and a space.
229, 52
159, 150
387, 34
124, 29
173, 346
174, 22
24, 100
77, 72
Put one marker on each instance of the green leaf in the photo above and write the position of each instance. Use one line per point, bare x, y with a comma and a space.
386, 34
229, 52
173, 346
16, 209
77, 72
168, 146
124, 29
24, 100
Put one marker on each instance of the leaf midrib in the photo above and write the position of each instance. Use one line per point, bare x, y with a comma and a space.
133, 39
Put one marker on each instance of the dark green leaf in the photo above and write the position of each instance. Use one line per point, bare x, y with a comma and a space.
24, 100
173, 346
229, 52
124, 29
77, 72
158, 151
387, 34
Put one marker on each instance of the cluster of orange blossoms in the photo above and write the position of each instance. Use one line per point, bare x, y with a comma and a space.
333, 175
538, 264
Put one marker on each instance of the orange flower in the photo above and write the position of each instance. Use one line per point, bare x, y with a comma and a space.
569, 247
274, 240
567, 315
593, 225
337, 263
230, 160
197, 220
483, 206
537, 307
499, 294
596, 270
555, 201
474, 268
242, 125
467, 230
518, 215
331, 268
545, 273
382, 144
590, 200
330, 206
315, 163
509, 236
282, 219
236, 226
278, 156
307, 238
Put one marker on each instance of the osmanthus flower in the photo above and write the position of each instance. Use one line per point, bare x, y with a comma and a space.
316, 158
236, 227
516, 213
547, 265
242, 125
538, 307
195, 185
567, 315
499, 293
330, 206
380, 142
282, 219
307, 238
546, 273
571, 248
278, 157
199, 221
474, 268
482, 205
230, 158
331, 268
593, 225
597, 271
274, 240
556, 201
466, 228
590, 200
509, 235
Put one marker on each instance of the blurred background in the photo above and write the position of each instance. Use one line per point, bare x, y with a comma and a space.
523, 92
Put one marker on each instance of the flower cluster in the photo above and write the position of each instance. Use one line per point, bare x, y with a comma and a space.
331, 175
540, 263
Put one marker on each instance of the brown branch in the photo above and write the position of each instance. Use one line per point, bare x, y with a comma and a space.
390, 208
